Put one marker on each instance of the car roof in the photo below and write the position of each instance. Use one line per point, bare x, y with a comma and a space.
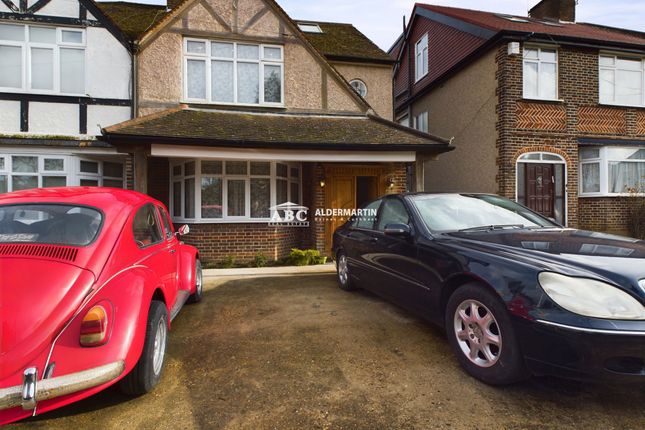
107, 199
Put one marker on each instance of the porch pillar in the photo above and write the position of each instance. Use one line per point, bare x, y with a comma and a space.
419, 178
141, 169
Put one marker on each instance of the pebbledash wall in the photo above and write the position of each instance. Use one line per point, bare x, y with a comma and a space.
545, 126
218, 242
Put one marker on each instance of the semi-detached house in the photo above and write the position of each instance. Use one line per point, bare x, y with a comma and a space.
542, 109
237, 109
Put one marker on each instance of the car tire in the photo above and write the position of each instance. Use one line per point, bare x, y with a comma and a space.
147, 372
342, 271
197, 296
481, 334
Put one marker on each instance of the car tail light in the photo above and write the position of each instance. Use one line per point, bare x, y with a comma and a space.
94, 327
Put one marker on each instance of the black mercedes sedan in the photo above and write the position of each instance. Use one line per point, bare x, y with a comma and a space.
516, 293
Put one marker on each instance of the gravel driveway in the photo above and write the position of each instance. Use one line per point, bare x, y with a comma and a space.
295, 352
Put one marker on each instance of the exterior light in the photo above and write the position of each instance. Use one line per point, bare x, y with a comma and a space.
389, 182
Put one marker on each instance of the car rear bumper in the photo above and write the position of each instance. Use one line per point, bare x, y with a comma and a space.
584, 353
45, 389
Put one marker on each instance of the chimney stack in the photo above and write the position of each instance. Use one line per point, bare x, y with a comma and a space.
555, 10
171, 4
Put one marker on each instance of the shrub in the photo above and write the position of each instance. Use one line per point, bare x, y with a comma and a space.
309, 257
260, 260
228, 262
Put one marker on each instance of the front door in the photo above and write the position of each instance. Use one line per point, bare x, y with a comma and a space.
540, 188
342, 195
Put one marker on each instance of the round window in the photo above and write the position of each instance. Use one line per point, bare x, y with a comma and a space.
359, 86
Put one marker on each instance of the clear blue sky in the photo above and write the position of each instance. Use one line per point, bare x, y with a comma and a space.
382, 20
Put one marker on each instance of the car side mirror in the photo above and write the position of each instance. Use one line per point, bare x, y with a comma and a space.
183, 230
398, 230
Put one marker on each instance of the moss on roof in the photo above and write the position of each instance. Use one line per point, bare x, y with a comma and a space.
295, 130
133, 18
344, 41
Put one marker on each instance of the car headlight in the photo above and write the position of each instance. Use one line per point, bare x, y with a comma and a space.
591, 298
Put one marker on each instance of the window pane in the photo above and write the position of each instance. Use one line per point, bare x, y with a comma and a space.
176, 170
367, 220
551, 157
1, 163
295, 193
606, 61
42, 35
176, 199
72, 36
211, 198
392, 212
222, 81
587, 153
196, 79
42, 69
607, 84
295, 172
196, 47
236, 167
54, 181
145, 227
222, 50
12, 32
54, 165
272, 84
248, 52
72, 71
189, 202
530, 80
272, 53
591, 178
629, 87
260, 168
548, 55
89, 183
11, 66
24, 164
3, 184
531, 54
24, 182
281, 192
548, 81
114, 170
89, 166
248, 83
260, 198
626, 177
212, 167
628, 64
236, 197
190, 168
281, 170
113, 183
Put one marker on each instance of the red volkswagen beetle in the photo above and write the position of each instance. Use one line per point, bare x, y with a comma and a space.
90, 279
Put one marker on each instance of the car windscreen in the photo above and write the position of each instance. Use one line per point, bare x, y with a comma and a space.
454, 212
51, 224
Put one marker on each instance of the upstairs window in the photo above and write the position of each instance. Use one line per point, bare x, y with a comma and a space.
42, 59
359, 86
421, 122
421, 55
233, 73
621, 80
540, 73
309, 27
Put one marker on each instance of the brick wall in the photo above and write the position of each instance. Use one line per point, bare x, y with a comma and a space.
527, 126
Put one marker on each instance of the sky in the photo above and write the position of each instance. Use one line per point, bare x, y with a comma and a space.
382, 20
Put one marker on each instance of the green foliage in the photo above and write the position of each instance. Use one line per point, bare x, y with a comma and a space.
228, 262
309, 257
260, 260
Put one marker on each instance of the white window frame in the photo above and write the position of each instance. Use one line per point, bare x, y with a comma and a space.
26, 46
614, 68
99, 177
421, 56
208, 59
421, 122
603, 160
359, 82
539, 62
225, 219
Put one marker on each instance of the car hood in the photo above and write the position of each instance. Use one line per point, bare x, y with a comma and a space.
37, 298
618, 259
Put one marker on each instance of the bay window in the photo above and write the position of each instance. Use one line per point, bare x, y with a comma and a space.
540, 73
621, 80
42, 59
233, 73
231, 191
25, 171
612, 171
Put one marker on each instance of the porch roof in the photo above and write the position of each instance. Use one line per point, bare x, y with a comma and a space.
244, 129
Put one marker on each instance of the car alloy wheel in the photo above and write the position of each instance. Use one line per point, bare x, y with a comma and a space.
477, 333
159, 347
199, 284
343, 270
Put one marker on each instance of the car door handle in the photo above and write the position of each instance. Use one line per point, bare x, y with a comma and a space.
374, 240
172, 251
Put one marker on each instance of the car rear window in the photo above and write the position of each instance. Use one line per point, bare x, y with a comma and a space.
51, 224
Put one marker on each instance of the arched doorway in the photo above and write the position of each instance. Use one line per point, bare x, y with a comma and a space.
541, 184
